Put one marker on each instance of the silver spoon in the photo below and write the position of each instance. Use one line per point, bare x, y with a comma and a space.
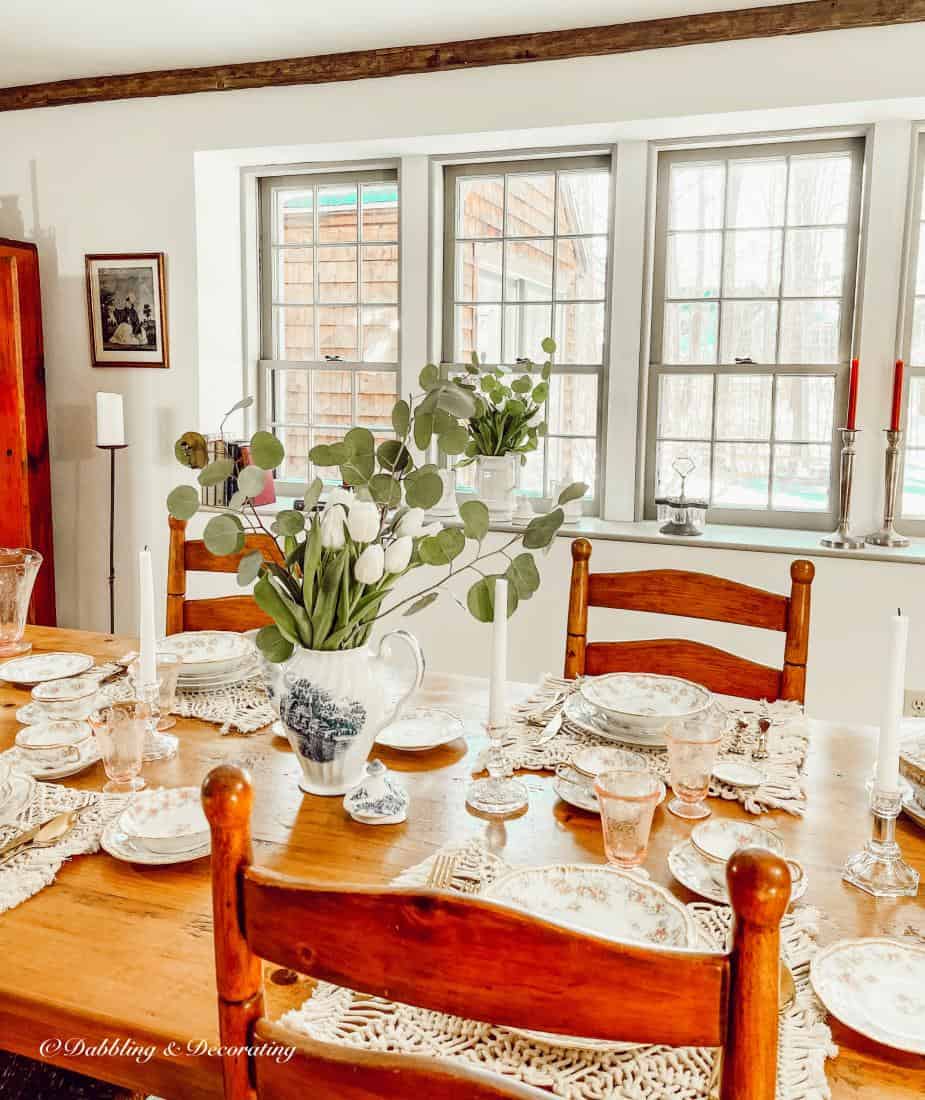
49, 833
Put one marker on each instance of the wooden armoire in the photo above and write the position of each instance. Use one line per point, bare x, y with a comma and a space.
25, 478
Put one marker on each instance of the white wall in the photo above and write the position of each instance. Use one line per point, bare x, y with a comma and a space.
122, 177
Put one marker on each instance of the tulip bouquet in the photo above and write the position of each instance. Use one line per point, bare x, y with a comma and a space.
330, 569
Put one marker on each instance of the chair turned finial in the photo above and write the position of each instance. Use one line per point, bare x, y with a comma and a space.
227, 796
802, 571
581, 550
759, 886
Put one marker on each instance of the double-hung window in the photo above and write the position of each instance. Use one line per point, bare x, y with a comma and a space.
753, 304
913, 336
526, 255
329, 282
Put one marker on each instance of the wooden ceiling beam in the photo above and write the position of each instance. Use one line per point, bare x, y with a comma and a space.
808, 17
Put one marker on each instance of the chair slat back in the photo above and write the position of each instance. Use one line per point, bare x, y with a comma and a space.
238, 613
473, 958
691, 595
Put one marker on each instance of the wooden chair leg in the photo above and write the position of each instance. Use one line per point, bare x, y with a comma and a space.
577, 627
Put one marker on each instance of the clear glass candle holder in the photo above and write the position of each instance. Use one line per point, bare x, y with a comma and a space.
120, 733
627, 800
692, 748
167, 670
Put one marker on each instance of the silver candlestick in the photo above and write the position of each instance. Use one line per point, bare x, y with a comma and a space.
888, 535
879, 868
841, 538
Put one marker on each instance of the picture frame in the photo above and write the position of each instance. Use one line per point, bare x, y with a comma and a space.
127, 309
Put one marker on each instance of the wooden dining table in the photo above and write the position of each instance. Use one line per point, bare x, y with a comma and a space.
114, 960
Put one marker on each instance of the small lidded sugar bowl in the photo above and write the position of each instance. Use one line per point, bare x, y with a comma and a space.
377, 799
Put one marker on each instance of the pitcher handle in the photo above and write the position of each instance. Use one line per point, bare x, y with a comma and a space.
412, 643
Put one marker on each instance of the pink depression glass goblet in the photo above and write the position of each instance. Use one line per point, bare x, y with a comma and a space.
692, 748
120, 733
627, 800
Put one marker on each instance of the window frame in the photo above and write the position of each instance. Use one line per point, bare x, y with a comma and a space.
910, 525
550, 161
267, 364
754, 517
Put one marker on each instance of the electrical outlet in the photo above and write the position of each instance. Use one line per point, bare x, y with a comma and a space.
914, 703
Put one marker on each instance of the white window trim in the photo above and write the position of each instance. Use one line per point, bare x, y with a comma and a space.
650, 369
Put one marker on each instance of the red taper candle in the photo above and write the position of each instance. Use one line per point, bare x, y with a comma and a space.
896, 416
852, 395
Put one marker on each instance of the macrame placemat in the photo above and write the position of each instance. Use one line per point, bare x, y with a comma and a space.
788, 743
243, 707
35, 868
334, 1014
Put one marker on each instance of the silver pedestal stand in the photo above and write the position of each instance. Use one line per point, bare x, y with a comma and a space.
879, 868
888, 535
841, 538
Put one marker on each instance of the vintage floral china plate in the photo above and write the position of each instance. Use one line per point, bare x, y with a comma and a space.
574, 788
708, 878
19, 793
718, 837
119, 845
47, 771
642, 700
594, 759
914, 810
877, 987
584, 717
736, 774
36, 668
165, 820
423, 729
206, 651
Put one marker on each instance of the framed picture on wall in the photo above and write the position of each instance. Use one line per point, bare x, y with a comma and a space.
127, 307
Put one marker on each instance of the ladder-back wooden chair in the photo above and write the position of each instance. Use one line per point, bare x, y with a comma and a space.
473, 958
697, 596
238, 613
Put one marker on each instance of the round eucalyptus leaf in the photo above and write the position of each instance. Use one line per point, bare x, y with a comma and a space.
540, 392
542, 530
237, 502
453, 442
266, 450
223, 534
452, 541
360, 441
273, 645
289, 522
443, 421
251, 481
548, 345
575, 491
358, 468
522, 385
480, 599
546, 371
217, 471
401, 418
474, 515
249, 568
393, 455
192, 450
321, 455
456, 399
183, 502
523, 575
424, 491
425, 601
385, 490
423, 429
429, 377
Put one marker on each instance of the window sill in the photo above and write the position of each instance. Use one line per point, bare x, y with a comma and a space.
716, 536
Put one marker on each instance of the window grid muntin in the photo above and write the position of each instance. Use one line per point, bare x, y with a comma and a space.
273, 311
913, 522
452, 240
788, 152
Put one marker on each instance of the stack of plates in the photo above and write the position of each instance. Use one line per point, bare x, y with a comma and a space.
211, 658
159, 827
634, 708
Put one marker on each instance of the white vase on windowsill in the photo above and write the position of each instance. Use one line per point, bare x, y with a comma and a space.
496, 479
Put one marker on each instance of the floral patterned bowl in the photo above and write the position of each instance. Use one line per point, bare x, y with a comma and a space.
600, 900
644, 701
719, 837
166, 820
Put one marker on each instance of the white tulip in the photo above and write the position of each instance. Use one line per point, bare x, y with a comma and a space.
370, 565
411, 522
431, 529
363, 521
339, 496
399, 554
332, 528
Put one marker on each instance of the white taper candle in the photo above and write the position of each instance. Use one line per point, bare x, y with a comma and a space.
893, 697
147, 644
497, 688
110, 423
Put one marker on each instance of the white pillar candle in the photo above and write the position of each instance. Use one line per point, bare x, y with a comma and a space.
147, 644
893, 696
497, 688
110, 423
